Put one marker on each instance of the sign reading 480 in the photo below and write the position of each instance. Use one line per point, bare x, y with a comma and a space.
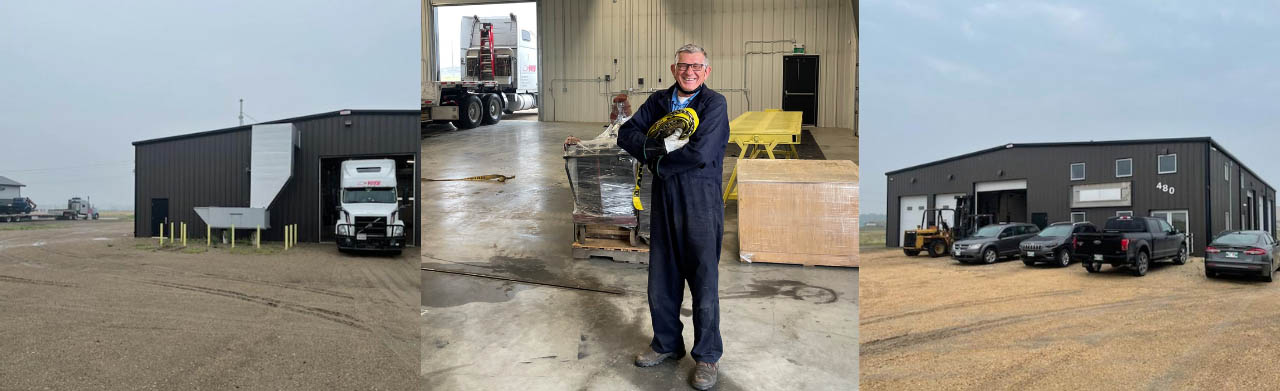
1165, 187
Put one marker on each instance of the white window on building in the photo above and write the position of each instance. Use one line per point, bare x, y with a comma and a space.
1124, 168
1077, 171
1167, 164
1077, 217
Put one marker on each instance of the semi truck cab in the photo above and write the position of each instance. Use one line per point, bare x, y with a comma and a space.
369, 211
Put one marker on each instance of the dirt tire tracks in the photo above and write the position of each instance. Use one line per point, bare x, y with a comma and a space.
888, 344
966, 304
329, 315
280, 285
21, 280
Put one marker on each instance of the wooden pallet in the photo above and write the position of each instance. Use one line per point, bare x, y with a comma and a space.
615, 249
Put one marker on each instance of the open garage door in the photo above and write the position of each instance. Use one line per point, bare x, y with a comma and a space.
1006, 201
331, 190
911, 210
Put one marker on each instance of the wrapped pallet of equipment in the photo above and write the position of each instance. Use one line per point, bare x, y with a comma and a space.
602, 177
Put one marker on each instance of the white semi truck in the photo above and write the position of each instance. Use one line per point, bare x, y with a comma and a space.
369, 211
499, 75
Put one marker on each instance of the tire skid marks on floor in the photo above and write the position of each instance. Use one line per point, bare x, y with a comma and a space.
333, 316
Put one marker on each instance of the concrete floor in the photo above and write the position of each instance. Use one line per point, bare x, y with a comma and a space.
784, 326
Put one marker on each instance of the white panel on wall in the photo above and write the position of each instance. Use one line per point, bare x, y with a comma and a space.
581, 38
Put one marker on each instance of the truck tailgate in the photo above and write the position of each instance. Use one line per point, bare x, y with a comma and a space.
1099, 243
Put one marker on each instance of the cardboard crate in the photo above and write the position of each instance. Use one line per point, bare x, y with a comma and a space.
798, 211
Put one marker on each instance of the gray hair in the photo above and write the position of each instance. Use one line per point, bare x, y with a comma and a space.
691, 48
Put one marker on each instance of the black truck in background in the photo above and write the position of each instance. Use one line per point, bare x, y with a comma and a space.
1131, 242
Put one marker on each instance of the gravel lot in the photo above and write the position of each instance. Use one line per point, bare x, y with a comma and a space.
87, 306
932, 323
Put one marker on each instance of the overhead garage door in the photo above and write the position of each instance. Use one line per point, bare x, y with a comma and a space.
1016, 184
947, 201
910, 211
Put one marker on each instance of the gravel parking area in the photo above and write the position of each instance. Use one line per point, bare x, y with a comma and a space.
933, 323
88, 306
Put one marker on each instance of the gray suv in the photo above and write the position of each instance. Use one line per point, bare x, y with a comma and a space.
992, 242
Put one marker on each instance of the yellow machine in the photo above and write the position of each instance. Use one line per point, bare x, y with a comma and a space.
936, 238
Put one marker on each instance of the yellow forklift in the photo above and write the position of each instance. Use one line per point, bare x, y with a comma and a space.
932, 235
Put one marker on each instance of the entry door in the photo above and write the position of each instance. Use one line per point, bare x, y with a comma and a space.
800, 86
159, 214
911, 210
1178, 219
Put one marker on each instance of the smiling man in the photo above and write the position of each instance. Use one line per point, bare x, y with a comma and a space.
687, 214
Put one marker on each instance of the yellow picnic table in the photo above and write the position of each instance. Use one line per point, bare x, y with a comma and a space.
762, 131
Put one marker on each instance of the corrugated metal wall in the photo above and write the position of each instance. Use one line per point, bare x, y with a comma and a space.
212, 169
1049, 182
580, 40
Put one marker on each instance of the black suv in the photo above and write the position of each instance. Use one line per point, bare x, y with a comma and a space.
992, 242
1053, 244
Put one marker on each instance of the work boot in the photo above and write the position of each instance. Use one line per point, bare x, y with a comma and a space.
704, 376
652, 358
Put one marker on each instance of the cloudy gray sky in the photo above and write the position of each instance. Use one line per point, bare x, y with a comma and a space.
81, 80
943, 78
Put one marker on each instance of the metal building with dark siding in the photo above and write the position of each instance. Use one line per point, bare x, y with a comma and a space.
1208, 191
175, 174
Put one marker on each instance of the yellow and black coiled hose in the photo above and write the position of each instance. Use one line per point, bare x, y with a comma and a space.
681, 122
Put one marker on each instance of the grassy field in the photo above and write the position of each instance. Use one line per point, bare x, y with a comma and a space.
871, 236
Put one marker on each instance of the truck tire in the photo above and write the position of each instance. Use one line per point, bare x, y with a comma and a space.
1140, 264
1181, 258
1063, 257
911, 253
470, 112
492, 109
937, 249
990, 256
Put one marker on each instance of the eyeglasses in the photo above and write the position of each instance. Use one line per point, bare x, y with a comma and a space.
680, 66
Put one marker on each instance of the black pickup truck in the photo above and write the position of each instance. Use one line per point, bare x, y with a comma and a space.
1131, 242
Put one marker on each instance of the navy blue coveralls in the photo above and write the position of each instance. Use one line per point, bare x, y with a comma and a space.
687, 221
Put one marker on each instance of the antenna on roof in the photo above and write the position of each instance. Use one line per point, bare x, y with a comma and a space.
241, 111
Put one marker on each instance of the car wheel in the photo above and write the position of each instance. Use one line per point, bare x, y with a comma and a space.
470, 112
1209, 273
1093, 267
1140, 265
1064, 258
989, 256
1181, 259
911, 253
1028, 262
1270, 276
937, 249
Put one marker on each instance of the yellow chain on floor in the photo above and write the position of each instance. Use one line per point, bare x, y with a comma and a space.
481, 178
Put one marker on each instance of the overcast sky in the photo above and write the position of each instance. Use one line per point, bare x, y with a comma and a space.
81, 80
943, 78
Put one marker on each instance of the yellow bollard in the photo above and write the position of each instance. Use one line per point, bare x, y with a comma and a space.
286, 238
208, 236
293, 241
161, 234
184, 234
257, 237
171, 233
233, 236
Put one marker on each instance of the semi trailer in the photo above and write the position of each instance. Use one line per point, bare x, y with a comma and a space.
499, 74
